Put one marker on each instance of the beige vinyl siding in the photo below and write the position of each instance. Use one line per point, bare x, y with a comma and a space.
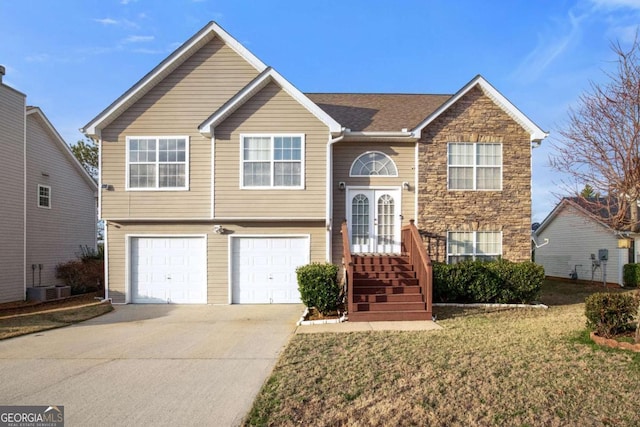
344, 154
55, 235
572, 239
217, 249
271, 111
176, 106
12, 108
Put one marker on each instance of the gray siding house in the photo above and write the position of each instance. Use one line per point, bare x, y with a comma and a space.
49, 200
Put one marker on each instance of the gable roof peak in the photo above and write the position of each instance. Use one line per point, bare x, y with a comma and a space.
265, 77
535, 132
170, 63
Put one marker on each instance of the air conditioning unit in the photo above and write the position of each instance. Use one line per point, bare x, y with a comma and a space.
48, 293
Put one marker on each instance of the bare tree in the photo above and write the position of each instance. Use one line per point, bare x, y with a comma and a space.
600, 145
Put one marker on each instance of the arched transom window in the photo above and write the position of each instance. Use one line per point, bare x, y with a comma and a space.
373, 163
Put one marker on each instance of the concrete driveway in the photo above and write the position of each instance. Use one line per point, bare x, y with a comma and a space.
150, 364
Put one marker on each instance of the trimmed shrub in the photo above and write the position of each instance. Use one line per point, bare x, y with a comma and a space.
609, 313
631, 275
319, 287
489, 282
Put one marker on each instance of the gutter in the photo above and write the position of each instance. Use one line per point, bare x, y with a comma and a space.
329, 196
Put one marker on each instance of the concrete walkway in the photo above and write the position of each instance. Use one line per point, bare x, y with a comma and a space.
150, 364
425, 325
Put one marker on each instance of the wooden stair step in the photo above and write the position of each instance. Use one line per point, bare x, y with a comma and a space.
390, 306
372, 298
379, 316
380, 260
366, 269
385, 275
385, 282
388, 290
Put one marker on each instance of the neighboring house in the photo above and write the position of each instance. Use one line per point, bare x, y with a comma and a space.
570, 238
49, 200
219, 177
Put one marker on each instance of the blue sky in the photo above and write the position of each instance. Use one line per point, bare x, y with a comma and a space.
73, 58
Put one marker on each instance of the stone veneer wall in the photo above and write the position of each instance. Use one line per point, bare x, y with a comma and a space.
476, 118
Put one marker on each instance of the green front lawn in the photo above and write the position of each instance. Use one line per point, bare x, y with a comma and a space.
486, 367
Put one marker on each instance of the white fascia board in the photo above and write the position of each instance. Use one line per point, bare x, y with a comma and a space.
536, 134
267, 76
63, 146
177, 57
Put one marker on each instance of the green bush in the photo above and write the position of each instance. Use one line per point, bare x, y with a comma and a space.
489, 282
631, 275
609, 313
319, 287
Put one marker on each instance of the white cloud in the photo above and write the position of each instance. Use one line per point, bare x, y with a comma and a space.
107, 21
126, 2
39, 57
616, 4
139, 39
549, 48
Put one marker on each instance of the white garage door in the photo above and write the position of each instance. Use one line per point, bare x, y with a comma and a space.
263, 269
168, 270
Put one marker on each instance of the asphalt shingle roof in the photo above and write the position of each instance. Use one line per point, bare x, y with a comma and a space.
373, 112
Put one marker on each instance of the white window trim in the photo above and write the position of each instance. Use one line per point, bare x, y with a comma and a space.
475, 244
48, 187
373, 152
157, 163
475, 166
272, 136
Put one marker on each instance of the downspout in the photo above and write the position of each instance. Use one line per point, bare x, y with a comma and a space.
105, 230
24, 201
329, 197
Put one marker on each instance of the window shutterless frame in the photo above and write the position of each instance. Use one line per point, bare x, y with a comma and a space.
44, 196
476, 245
471, 161
272, 157
164, 163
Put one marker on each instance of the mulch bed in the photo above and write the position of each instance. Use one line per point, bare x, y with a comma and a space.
24, 307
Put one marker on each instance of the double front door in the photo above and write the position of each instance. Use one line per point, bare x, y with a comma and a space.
374, 220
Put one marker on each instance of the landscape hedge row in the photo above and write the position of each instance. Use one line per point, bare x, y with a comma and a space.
487, 282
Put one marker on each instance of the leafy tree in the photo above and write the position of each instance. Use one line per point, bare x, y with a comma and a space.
87, 154
601, 143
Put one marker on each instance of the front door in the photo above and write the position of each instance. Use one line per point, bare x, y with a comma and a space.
374, 220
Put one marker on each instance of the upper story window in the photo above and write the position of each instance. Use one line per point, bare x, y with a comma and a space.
373, 163
44, 196
473, 245
272, 161
158, 163
474, 166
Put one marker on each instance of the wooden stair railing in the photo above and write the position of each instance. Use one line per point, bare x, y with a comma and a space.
347, 265
413, 246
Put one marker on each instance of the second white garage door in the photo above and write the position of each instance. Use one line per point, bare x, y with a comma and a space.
168, 270
263, 269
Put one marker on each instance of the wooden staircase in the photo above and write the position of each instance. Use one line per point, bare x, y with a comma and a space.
388, 287
385, 287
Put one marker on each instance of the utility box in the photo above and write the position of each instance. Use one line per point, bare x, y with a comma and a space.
603, 254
